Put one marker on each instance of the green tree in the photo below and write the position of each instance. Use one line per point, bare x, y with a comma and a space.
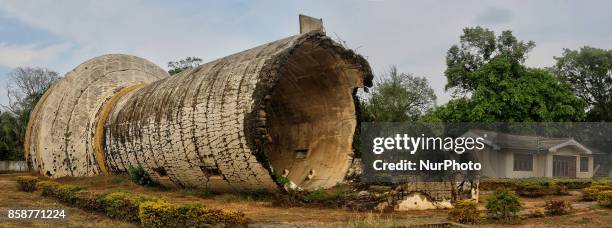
398, 97
477, 47
25, 87
183, 64
588, 71
10, 137
491, 84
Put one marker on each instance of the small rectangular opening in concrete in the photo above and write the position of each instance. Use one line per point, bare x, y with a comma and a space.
301, 153
211, 172
160, 171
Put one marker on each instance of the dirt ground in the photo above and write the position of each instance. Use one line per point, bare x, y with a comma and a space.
10, 198
263, 214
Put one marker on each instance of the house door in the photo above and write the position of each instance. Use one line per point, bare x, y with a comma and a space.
564, 166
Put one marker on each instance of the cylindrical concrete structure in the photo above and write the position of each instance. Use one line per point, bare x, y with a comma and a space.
281, 111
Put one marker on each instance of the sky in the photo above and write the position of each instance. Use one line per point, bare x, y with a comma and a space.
412, 35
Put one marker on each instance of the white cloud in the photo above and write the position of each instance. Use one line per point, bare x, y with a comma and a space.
414, 35
12, 55
150, 30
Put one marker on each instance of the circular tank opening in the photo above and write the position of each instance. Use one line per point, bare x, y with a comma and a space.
312, 118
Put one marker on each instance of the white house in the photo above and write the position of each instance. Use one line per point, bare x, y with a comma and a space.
520, 156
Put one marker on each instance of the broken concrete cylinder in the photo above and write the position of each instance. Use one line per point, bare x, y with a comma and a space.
61, 132
280, 113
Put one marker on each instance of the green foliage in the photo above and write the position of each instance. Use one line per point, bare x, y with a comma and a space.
140, 176
46, 187
524, 183
314, 196
504, 92
27, 183
329, 197
398, 97
494, 85
12, 131
259, 195
25, 86
604, 198
589, 73
538, 187
162, 214
64, 193
150, 211
202, 193
283, 181
557, 207
503, 205
464, 211
123, 205
88, 200
477, 47
591, 193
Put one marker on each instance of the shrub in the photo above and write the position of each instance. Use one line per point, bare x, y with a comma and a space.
497, 184
464, 211
283, 181
315, 196
330, 197
607, 183
89, 200
47, 187
140, 176
201, 193
123, 205
149, 210
540, 187
162, 214
604, 198
590, 193
557, 207
27, 183
66, 193
575, 184
503, 205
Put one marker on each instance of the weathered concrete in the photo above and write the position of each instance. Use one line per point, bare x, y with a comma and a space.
283, 110
310, 24
61, 130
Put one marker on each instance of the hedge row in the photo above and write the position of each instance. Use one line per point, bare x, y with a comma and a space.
150, 211
600, 191
539, 183
27, 183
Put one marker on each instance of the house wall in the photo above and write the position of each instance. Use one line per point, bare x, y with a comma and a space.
568, 151
539, 165
509, 167
500, 164
492, 162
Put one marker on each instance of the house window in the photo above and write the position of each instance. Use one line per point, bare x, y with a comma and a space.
523, 162
584, 164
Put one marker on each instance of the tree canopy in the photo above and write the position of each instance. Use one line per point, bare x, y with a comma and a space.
477, 47
25, 87
399, 97
492, 84
588, 71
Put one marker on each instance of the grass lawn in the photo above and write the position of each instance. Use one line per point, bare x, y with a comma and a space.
261, 211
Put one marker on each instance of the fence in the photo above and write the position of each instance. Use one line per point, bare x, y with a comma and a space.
13, 166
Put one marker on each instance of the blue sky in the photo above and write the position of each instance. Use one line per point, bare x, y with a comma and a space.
414, 35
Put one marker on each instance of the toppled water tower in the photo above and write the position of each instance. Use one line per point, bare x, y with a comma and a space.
239, 123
